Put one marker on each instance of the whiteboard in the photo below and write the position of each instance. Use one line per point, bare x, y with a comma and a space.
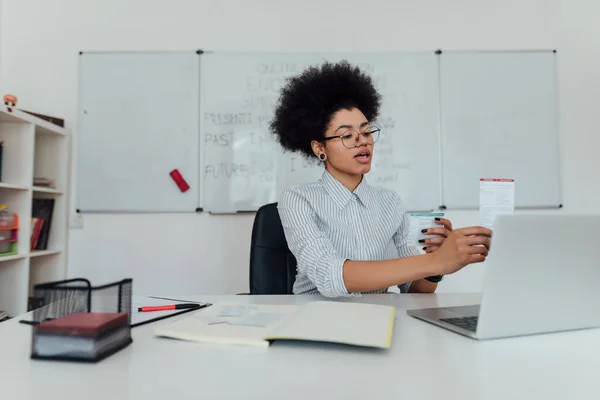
499, 120
243, 166
138, 120
447, 120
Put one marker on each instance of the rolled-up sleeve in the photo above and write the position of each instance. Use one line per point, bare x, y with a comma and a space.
405, 249
314, 252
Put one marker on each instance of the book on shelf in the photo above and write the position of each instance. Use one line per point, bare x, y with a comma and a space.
42, 209
43, 182
54, 120
36, 229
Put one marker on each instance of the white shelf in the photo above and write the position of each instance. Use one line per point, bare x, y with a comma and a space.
42, 127
33, 254
42, 253
12, 186
10, 258
10, 117
37, 189
40, 189
48, 129
33, 147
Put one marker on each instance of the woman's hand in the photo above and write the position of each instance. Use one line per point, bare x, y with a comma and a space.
433, 244
462, 247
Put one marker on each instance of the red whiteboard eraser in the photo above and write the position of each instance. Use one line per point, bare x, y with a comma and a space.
181, 183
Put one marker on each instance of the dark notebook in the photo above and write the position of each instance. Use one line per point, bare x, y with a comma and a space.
81, 336
42, 208
83, 324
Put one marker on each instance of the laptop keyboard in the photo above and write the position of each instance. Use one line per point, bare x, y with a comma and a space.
468, 323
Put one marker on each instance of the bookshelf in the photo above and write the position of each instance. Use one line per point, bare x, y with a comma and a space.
33, 147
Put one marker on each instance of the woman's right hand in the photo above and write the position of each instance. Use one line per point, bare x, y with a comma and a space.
462, 247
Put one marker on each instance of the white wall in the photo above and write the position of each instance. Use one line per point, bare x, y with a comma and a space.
40, 40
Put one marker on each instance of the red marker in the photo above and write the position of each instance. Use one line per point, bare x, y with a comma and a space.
181, 183
169, 307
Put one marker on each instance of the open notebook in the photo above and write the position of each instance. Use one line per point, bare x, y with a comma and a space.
357, 324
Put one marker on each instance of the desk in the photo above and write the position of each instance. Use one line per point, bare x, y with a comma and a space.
425, 362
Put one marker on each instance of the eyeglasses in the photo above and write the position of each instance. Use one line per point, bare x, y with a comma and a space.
350, 138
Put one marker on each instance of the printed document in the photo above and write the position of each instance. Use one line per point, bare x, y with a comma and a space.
496, 197
420, 221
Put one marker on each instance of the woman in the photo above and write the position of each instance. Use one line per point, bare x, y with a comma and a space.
349, 237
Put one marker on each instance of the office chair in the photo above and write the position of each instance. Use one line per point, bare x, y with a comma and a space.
272, 265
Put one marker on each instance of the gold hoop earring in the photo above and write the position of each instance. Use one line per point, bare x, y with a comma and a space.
323, 157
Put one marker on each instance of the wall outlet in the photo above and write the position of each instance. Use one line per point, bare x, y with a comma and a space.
76, 222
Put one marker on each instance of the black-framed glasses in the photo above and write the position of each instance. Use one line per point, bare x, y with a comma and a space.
350, 138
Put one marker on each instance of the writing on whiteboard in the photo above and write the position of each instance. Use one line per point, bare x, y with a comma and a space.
298, 163
264, 169
243, 164
264, 83
243, 171
229, 118
251, 138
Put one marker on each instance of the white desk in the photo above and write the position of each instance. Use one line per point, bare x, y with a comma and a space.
425, 362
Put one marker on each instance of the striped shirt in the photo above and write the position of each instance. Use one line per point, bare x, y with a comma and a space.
325, 224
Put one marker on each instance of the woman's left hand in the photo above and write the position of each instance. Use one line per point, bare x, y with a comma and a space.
433, 244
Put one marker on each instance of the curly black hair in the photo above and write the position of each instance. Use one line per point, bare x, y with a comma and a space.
308, 102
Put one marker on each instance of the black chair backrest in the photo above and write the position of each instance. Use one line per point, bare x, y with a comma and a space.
272, 265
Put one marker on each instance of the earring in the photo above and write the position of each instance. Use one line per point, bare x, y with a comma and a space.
323, 156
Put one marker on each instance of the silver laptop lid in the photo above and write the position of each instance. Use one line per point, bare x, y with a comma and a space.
542, 275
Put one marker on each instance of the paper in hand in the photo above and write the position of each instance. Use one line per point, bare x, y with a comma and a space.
496, 197
420, 221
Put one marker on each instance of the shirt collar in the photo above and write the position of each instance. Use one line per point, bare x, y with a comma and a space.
341, 195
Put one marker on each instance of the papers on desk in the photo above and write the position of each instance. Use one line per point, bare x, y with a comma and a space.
496, 197
242, 315
355, 324
263, 319
237, 310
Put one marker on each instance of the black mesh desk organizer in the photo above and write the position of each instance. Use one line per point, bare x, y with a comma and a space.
66, 297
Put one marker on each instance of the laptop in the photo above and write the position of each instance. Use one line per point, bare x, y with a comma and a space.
541, 275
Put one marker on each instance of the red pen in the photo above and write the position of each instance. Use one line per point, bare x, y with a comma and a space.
169, 307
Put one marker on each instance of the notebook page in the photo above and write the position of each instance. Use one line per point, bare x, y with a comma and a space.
226, 324
356, 324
